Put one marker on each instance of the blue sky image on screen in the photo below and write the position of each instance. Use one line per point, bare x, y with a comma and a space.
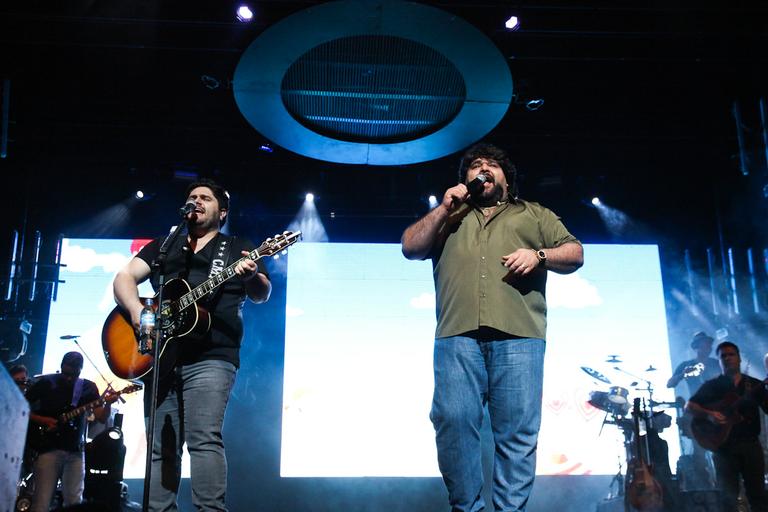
358, 360
358, 354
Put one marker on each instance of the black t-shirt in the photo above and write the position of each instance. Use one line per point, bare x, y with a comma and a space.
51, 395
225, 304
747, 399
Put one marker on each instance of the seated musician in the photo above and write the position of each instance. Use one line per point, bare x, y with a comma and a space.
60, 445
729, 407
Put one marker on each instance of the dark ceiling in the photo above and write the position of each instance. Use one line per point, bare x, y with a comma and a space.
107, 97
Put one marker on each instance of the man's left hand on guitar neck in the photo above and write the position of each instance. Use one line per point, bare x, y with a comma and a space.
257, 285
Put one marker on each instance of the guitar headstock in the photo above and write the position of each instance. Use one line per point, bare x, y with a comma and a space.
279, 242
112, 395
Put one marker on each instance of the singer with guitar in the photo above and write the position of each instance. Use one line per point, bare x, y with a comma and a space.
726, 413
60, 444
192, 397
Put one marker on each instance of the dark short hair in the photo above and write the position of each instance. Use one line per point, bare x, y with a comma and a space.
18, 368
726, 344
219, 192
491, 152
73, 359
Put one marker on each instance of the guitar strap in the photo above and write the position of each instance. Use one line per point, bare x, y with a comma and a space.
219, 260
220, 254
77, 392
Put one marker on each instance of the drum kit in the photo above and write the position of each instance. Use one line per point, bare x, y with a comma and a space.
615, 401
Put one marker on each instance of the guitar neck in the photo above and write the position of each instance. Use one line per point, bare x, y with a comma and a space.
74, 413
267, 248
204, 289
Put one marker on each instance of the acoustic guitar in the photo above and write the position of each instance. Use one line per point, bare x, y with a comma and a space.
43, 438
711, 435
180, 317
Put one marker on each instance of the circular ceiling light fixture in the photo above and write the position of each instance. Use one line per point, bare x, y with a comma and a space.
376, 82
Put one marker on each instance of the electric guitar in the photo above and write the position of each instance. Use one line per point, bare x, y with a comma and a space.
180, 316
44, 438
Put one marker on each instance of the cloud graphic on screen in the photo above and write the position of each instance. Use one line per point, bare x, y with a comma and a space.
79, 259
292, 312
571, 291
423, 301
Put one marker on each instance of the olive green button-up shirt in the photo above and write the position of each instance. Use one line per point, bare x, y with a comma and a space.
474, 289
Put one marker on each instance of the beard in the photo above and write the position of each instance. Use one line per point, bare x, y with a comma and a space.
203, 223
490, 196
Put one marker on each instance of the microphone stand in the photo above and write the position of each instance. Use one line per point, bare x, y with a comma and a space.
158, 265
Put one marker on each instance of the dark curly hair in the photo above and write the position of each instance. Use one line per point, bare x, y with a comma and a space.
219, 192
491, 152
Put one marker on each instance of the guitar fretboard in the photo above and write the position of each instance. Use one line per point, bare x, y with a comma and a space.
268, 248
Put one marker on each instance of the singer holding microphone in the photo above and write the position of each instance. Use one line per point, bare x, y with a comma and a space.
192, 399
490, 253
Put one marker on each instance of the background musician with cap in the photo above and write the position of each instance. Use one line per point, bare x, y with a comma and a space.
695, 469
698, 370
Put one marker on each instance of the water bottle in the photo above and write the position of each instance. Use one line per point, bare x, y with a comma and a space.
146, 327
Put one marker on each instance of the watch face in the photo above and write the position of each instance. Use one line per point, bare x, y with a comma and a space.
542, 255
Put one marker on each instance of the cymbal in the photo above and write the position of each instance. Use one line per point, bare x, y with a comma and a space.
650, 368
613, 358
595, 374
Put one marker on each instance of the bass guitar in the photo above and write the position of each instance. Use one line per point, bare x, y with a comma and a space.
180, 316
44, 438
643, 490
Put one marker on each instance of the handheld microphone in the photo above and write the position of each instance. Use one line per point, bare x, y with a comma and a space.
69, 337
187, 208
476, 185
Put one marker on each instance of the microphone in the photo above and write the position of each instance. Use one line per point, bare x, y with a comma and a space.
187, 208
69, 337
476, 185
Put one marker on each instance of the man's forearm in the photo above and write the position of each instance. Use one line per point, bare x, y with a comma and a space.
258, 288
419, 237
566, 258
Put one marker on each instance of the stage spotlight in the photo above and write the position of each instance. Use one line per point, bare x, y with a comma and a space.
266, 148
244, 14
432, 201
310, 197
596, 201
512, 23
139, 195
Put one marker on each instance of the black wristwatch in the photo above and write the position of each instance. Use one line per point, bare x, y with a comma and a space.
542, 257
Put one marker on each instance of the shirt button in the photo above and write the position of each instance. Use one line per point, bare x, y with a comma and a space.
482, 275
482, 295
482, 258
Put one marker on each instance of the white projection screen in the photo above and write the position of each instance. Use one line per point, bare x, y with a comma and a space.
358, 355
358, 360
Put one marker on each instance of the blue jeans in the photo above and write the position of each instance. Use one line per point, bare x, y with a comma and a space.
48, 468
191, 409
507, 375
